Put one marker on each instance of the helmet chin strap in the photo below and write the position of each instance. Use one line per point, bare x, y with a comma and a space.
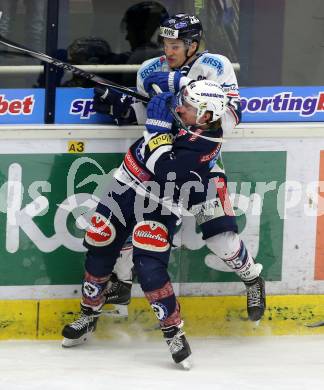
197, 120
201, 124
186, 54
181, 124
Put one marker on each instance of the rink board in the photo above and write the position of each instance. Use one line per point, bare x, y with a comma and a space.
273, 175
203, 316
42, 256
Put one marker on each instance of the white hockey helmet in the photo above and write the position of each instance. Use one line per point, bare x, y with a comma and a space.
205, 95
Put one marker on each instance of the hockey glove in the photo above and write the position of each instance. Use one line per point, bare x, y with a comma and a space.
167, 81
111, 102
159, 117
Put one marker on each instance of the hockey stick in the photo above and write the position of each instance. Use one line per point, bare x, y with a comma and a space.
93, 77
71, 68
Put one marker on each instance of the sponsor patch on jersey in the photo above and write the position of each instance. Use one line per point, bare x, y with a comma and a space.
152, 236
214, 63
211, 155
134, 167
163, 139
153, 66
101, 232
160, 310
204, 212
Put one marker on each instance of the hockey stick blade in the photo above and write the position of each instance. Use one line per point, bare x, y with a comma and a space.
71, 68
315, 324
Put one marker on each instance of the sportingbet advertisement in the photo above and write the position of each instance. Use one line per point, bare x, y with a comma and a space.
22, 106
280, 104
75, 105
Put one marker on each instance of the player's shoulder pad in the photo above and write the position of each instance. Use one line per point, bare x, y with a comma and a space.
217, 61
159, 140
151, 65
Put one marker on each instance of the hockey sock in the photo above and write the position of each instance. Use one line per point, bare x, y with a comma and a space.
93, 291
165, 305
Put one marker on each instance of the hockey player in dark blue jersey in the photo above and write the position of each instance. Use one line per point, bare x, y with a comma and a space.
139, 202
182, 63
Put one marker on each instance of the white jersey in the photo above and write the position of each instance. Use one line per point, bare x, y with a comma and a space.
208, 66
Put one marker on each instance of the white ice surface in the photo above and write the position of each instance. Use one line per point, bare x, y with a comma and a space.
260, 363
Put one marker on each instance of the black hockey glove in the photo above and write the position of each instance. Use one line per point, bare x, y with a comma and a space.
114, 103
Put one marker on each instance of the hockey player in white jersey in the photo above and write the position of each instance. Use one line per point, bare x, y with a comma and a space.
181, 64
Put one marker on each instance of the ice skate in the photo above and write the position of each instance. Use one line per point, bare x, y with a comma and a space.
178, 345
256, 298
118, 294
79, 331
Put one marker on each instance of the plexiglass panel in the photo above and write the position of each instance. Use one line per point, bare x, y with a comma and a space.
23, 22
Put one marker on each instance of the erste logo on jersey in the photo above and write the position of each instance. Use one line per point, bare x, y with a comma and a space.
152, 236
151, 67
215, 63
163, 139
101, 232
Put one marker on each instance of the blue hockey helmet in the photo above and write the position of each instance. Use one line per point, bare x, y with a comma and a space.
182, 26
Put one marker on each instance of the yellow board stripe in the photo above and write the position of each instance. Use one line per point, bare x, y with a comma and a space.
18, 319
203, 316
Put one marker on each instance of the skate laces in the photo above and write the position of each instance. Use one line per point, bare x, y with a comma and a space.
254, 294
114, 287
176, 344
82, 322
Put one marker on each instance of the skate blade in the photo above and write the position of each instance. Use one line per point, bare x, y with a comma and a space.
117, 311
315, 324
186, 364
68, 343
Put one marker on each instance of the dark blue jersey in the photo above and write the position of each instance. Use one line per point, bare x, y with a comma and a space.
181, 157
